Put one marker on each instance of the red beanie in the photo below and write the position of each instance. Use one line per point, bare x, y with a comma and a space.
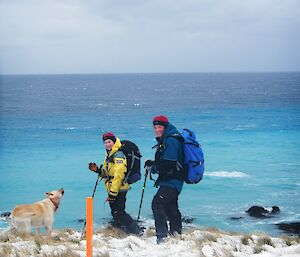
109, 135
161, 120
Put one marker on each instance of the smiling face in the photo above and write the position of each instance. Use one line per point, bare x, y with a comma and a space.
159, 130
55, 195
108, 144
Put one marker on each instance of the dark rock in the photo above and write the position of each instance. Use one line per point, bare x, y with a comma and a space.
187, 219
257, 212
5, 214
275, 210
291, 227
261, 212
236, 218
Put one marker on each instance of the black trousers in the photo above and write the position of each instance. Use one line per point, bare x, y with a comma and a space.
165, 206
121, 218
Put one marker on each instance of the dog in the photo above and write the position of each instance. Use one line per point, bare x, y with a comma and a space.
37, 215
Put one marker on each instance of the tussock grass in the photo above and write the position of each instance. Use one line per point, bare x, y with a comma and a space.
6, 251
106, 254
290, 240
38, 244
214, 230
150, 232
209, 237
245, 239
257, 249
4, 237
265, 241
67, 253
112, 232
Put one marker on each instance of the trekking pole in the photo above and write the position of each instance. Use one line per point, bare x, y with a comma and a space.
84, 226
141, 202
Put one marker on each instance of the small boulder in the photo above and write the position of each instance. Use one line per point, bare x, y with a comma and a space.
261, 212
290, 227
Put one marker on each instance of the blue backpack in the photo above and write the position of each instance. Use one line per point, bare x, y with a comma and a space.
193, 157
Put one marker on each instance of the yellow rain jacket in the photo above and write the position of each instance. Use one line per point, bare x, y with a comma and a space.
114, 170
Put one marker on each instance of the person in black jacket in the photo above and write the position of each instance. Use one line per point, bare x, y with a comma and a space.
168, 165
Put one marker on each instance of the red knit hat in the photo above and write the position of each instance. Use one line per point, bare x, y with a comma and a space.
161, 120
109, 135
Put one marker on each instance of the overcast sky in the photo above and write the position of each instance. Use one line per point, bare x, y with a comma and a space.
117, 36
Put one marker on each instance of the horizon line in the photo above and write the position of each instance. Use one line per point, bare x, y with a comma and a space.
142, 73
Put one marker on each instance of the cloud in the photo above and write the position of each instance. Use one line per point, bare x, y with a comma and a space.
149, 36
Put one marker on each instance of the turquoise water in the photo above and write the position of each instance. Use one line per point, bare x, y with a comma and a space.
247, 123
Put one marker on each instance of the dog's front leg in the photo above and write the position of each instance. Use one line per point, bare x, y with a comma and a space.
48, 231
37, 231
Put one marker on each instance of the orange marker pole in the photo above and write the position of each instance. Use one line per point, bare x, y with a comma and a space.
89, 227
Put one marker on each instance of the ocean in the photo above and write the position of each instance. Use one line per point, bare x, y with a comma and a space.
247, 123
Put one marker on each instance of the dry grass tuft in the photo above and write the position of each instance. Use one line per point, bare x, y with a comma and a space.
208, 237
257, 249
106, 254
265, 241
290, 240
113, 232
67, 253
150, 232
6, 250
4, 237
245, 239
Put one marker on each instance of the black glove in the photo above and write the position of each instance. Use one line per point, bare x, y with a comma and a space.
149, 163
111, 198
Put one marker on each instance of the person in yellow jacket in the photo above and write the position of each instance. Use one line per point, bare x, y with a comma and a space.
113, 171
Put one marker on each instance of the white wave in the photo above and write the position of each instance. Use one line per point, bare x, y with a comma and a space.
70, 128
100, 105
244, 127
227, 174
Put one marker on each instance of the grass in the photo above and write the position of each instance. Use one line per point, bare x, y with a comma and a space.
257, 249
67, 253
245, 239
4, 238
265, 241
112, 232
6, 251
290, 240
150, 232
106, 254
208, 237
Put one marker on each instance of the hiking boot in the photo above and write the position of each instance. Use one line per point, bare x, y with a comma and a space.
160, 240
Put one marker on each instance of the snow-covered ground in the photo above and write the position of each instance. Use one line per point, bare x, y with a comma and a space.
112, 242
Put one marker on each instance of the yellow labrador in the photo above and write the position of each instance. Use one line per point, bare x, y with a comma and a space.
37, 215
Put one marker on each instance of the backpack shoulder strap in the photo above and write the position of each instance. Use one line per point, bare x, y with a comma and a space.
119, 154
178, 136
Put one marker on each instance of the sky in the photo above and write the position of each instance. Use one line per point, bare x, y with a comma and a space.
137, 36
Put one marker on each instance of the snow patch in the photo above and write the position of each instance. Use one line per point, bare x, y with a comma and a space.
193, 242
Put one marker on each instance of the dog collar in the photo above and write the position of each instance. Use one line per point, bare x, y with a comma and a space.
55, 204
